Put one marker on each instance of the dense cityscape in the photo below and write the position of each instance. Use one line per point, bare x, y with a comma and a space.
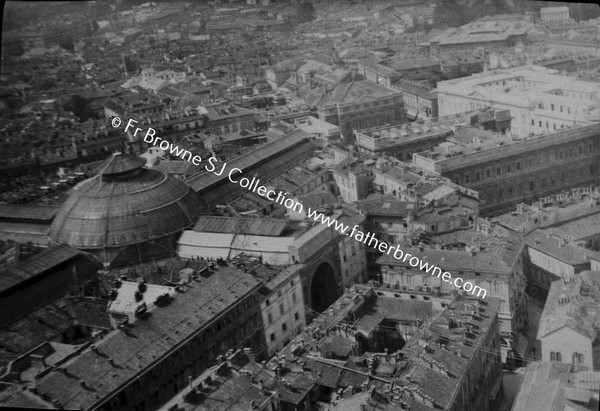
300, 205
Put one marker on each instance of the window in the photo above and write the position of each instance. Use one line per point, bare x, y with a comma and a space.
268, 302
488, 174
281, 310
272, 337
552, 107
477, 176
284, 327
294, 297
558, 357
518, 165
296, 316
498, 171
552, 356
270, 318
508, 168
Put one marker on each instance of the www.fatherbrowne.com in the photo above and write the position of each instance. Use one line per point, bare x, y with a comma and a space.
369, 240
213, 165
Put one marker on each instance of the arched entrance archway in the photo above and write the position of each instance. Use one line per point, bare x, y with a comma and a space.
323, 289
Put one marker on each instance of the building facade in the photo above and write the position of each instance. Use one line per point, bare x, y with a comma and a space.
419, 100
540, 100
506, 171
283, 309
354, 180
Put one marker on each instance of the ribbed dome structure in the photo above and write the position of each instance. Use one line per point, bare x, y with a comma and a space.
126, 214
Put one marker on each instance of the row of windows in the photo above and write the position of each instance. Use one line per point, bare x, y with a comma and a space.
576, 358
555, 356
191, 351
239, 312
555, 126
280, 293
552, 109
281, 307
187, 126
544, 183
373, 120
528, 163
284, 327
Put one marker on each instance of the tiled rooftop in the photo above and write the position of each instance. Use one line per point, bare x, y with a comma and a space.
572, 302
439, 355
483, 250
360, 91
552, 243
47, 259
146, 342
549, 386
